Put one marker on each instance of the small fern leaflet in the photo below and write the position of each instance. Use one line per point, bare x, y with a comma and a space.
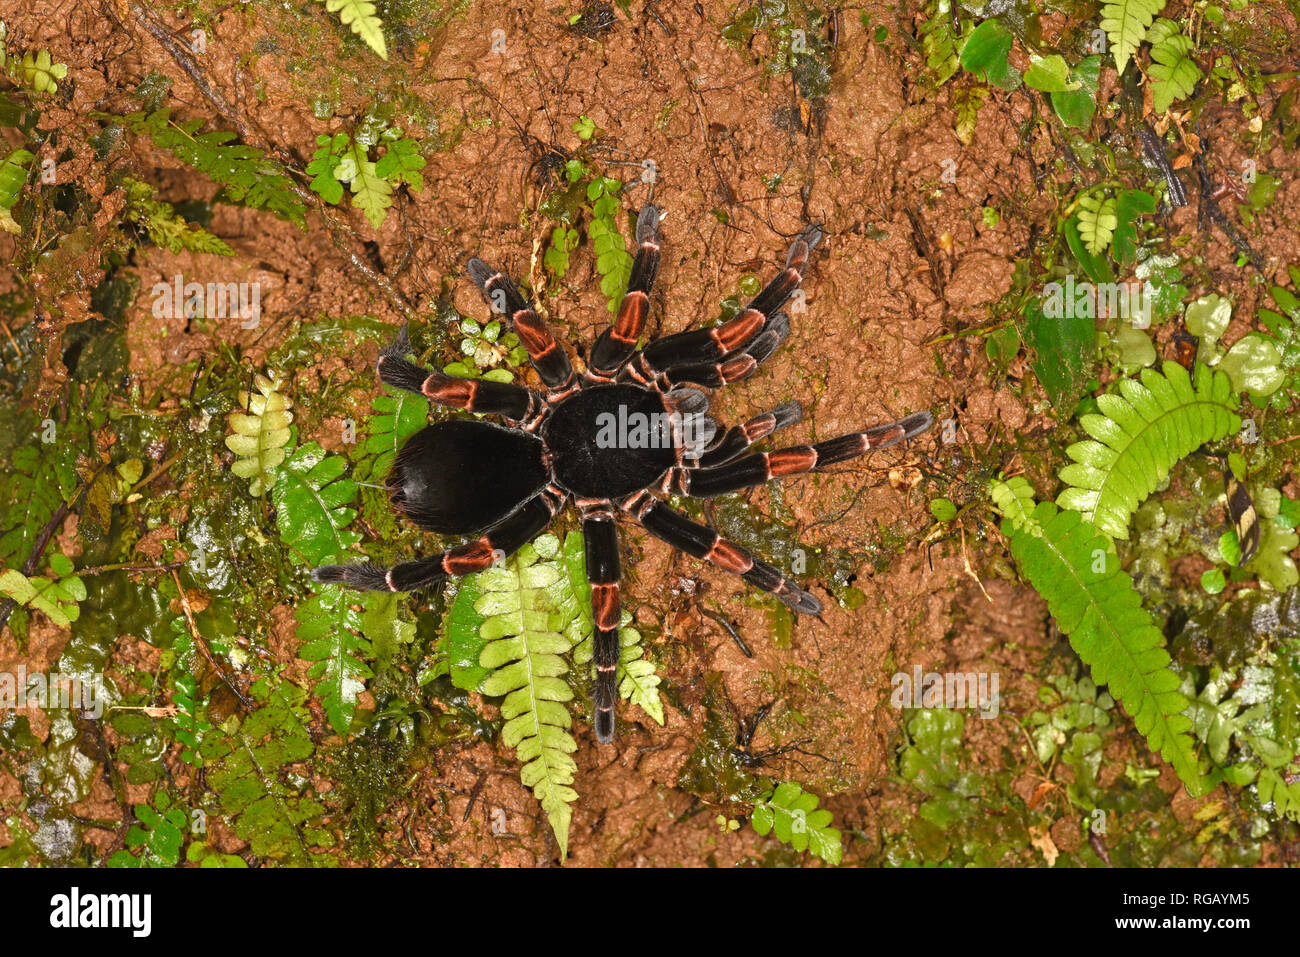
260, 433
1126, 23
360, 16
1141, 434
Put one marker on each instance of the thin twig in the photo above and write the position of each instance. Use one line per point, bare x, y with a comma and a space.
202, 645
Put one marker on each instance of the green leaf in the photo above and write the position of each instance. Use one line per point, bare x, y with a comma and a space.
56, 598
1064, 349
249, 769
1050, 74
792, 814
329, 628
613, 261
1174, 74
260, 433
360, 16
1207, 318
1254, 366
1096, 221
157, 837
1213, 580
1094, 602
462, 636
13, 176
1142, 431
401, 163
527, 605
40, 72
1076, 106
244, 173
1129, 204
371, 193
1096, 267
324, 165
1125, 23
1014, 500
312, 503
943, 509
985, 54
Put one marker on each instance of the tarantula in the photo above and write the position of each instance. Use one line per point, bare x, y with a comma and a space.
608, 439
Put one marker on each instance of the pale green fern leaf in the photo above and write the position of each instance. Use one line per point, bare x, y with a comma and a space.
1141, 433
361, 17
524, 655
260, 432
1126, 23
1174, 74
1097, 220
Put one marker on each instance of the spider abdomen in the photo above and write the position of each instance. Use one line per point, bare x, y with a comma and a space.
609, 441
462, 476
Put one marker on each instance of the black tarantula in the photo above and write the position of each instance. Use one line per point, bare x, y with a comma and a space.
608, 440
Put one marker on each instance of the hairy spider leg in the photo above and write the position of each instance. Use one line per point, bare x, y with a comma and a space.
739, 438
706, 348
600, 537
761, 467
734, 367
545, 353
513, 402
702, 542
496, 544
616, 344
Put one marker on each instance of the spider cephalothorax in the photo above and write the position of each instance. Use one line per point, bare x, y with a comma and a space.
608, 440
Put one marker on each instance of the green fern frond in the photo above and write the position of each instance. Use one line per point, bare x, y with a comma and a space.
1126, 23
166, 229
637, 680
41, 73
371, 193
360, 16
40, 479
526, 642
1174, 74
396, 417
613, 261
1097, 219
1142, 432
1014, 500
401, 162
244, 173
792, 813
247, 767
156, 838
260, 433
312, 503
1094, 602
330, 628
191, 724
